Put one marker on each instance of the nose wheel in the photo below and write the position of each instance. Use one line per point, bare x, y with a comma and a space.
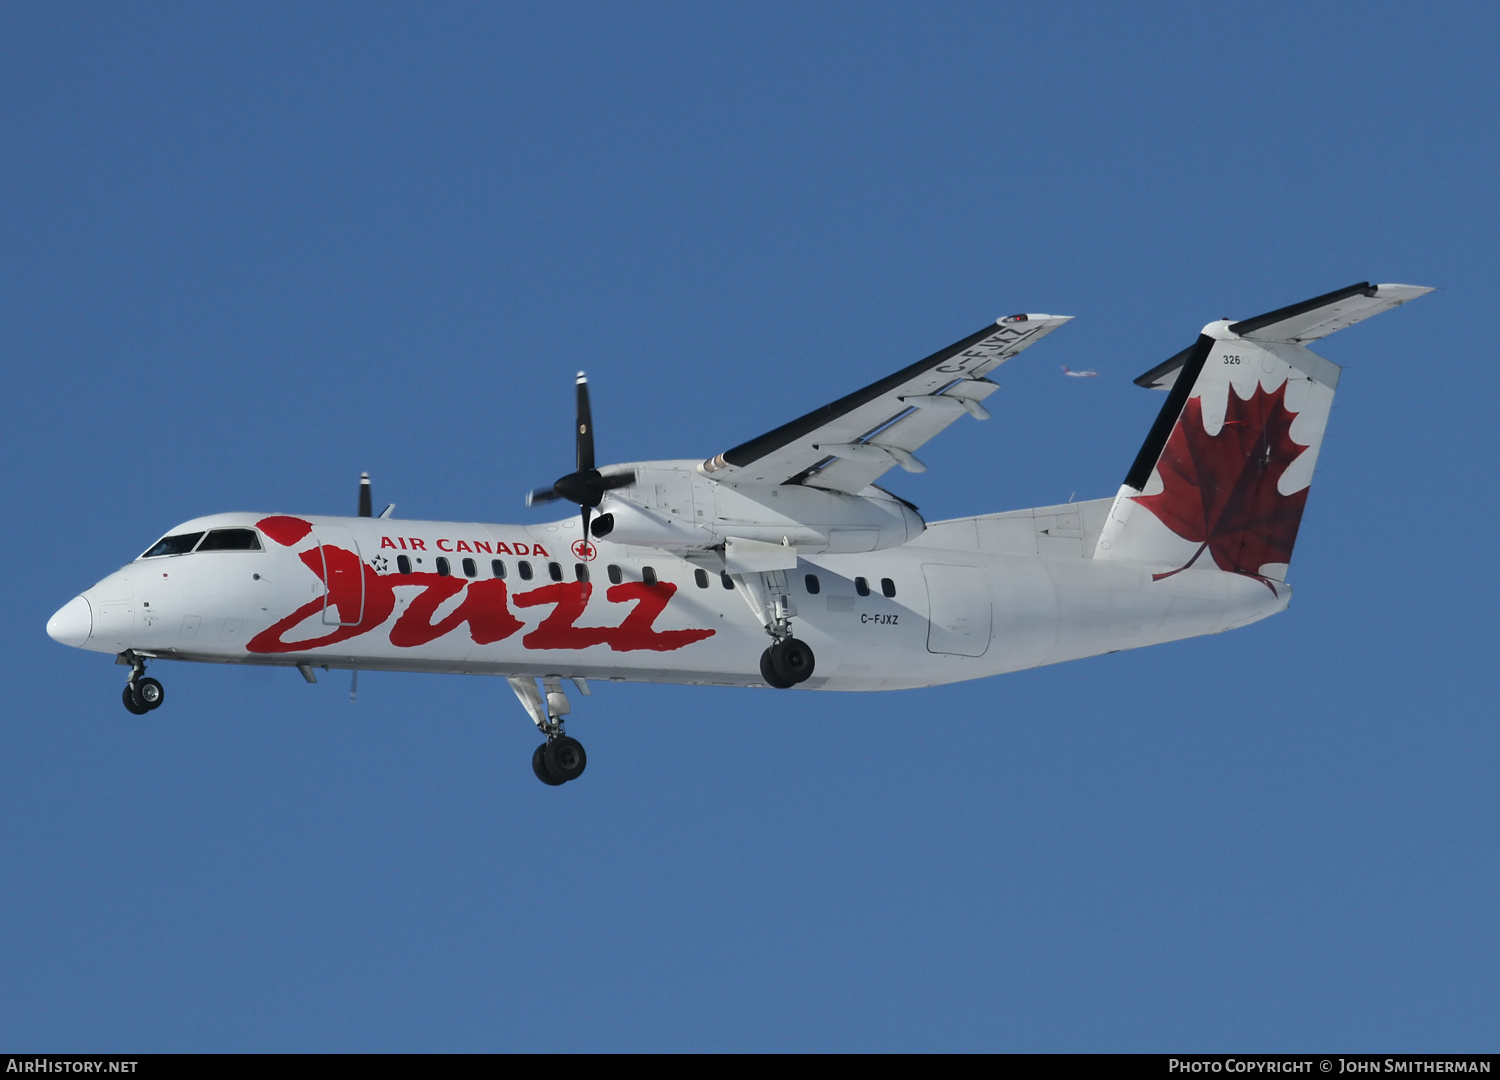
142, 694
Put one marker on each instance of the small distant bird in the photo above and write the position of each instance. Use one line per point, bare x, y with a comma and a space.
1079, 374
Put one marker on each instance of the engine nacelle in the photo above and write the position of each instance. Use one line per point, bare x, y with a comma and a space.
672, 505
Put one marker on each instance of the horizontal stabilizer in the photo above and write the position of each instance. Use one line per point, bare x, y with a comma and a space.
1322, 315
1299, 323
1222, 478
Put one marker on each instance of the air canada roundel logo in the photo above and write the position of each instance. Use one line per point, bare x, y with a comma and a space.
584, 550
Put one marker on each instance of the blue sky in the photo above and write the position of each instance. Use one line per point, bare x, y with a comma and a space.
246, 253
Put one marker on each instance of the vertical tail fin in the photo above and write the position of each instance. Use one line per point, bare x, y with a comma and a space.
1223, 476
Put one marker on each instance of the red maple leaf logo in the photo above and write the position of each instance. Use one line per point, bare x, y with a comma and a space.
1220, 490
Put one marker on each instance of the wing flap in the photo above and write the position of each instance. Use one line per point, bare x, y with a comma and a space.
839, 445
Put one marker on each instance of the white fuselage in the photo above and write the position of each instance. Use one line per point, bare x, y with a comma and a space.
972, 597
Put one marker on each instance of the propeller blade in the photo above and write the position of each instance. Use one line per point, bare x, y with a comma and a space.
585, 426
587, 511
541, 495
582, 488
365, 509
617, 480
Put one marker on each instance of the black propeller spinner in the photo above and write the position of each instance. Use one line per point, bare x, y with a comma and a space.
585, 486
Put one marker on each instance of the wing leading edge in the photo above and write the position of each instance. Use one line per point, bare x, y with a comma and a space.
849, 443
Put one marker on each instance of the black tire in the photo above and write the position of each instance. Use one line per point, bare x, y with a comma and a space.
565, 759
149, 693
793, 660
539, 766
769, 673
132, 704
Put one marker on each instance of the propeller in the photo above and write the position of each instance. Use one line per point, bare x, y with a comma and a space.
366, 509
585, 485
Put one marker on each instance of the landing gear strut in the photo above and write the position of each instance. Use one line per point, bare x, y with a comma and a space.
141, 693
560, 758
787, 661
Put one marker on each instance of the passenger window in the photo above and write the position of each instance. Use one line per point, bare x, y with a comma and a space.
726, 579
861, 586
813, 584
554, 571
442, 567
648, 575
615, 577
887, 586
580, 571
231, 540
470, 568
180, 544
524, 569
701, 577
497, 567
403, 564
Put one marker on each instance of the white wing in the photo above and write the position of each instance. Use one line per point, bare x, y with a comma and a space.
847, 444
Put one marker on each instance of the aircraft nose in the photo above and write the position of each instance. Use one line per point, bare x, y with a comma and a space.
73, 623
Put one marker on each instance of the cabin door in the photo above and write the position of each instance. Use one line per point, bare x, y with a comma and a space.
343, 576
959, 610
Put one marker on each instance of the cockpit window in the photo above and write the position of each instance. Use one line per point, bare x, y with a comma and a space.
231, 540
180, 544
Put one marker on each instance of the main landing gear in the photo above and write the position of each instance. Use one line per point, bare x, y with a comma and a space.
141, 694
560, 758
787, 661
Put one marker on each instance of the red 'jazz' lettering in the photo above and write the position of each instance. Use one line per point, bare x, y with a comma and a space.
636, 632
415, 627
483, 608
379, 599
489, 616
557, 631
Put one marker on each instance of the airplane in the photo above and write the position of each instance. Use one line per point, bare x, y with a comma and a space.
779, 562
1079, 374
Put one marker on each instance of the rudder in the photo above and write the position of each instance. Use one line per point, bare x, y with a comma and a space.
1224, 472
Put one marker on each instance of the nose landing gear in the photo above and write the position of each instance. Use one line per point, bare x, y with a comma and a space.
141, 694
